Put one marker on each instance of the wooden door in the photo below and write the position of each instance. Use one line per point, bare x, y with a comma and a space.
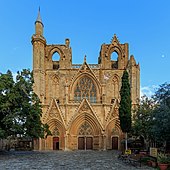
55, 143
115, 143
89, 143
81, 143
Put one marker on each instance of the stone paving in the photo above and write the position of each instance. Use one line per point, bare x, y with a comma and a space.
64, 160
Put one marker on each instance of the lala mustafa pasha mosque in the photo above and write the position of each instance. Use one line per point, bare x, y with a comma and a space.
80, 101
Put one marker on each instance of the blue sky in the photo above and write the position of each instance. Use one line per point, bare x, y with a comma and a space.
144, 24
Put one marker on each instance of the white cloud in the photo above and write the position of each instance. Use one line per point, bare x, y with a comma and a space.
148, 90
14, 76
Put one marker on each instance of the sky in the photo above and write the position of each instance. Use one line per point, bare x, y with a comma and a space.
144, 24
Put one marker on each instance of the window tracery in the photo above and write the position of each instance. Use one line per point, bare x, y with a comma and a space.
85, 88
85, 129
55, 132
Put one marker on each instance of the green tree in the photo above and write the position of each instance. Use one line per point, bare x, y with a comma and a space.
142, 119
125, 105
153, 116
161, 115
6, 103
21, 110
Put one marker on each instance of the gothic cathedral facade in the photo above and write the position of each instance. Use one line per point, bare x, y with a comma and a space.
80, 101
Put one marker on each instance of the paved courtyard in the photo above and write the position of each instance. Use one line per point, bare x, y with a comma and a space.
64, 160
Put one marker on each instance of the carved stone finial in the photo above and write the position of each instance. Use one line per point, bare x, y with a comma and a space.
114, 39
67, 42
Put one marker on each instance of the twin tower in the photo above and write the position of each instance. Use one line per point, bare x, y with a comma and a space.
80, 101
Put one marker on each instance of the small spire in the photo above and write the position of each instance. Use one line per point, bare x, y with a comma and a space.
85, 58
132, 60
39, 16
114, 39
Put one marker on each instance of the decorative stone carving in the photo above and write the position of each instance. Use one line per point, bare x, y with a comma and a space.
85, 107
55, 132
85, 129
55, 79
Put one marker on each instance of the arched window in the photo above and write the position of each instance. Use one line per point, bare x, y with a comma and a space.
114, 56
55, 59
85, 88
114, 59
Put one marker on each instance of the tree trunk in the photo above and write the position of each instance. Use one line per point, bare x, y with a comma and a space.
126, 141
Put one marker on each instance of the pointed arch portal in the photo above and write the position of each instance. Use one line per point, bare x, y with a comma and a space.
86, 130
85, 139
57, 138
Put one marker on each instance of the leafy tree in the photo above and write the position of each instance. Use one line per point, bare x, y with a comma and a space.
6, 105
29, 112
161, 124
125, 105
2, 133
142, 120
162, 95
161, 115
20, 109
153, 116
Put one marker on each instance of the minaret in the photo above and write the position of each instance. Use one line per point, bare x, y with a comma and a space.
39, 25
39, 43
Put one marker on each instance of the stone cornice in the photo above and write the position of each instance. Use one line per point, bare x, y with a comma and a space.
38, 38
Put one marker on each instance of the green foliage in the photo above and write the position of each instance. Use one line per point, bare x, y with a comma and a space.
125, 104
162, 95
161, 124
20, 107
7, 96
2, 133
163, 158
145, 159
161, 115
153, 116
143, 118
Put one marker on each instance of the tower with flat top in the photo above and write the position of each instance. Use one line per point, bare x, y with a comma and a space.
80, 101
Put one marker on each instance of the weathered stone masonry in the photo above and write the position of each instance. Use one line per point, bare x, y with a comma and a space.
80, 101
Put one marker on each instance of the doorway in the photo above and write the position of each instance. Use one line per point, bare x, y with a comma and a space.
89, 143
81, 143
56, 145
85, 143
115, 143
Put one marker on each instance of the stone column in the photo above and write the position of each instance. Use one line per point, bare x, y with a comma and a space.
66, 91
104, 140
66, 141
40, 144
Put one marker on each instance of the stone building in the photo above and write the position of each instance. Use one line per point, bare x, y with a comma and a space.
80, 101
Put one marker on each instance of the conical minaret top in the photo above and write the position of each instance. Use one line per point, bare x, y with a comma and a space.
39, 25
39, 17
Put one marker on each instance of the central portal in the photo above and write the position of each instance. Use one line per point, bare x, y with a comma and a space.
85, 136
85, 143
